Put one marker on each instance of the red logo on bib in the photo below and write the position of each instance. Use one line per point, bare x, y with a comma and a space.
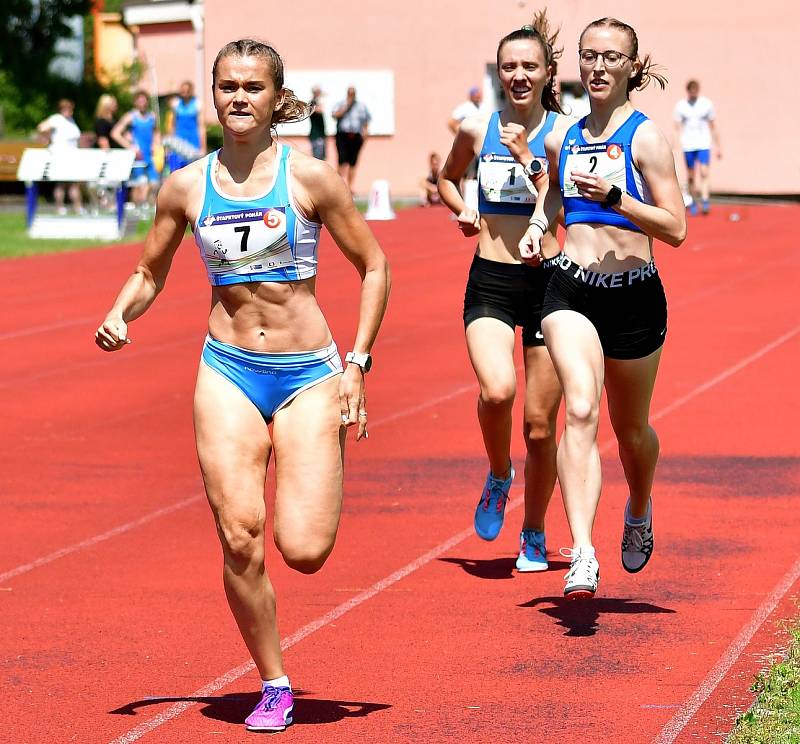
272, 218
614, 151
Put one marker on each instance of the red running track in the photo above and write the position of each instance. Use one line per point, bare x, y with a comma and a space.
114, 623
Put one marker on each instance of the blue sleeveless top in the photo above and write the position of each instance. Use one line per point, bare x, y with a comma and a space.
255, 238
142, 128
186, 121
613, 161
503, 187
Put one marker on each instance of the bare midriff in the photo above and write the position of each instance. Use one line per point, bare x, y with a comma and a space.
606, 248
500, 235
269, 316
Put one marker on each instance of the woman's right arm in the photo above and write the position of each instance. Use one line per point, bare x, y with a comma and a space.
461, 155
150, 275
548, 201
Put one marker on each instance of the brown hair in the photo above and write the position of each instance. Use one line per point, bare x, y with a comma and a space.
647, 68
539, 31
293, 109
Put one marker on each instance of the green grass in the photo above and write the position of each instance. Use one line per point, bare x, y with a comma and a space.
14, 240
775, 716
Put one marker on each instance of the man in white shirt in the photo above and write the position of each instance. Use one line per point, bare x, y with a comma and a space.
470, 107
694, 124
64, 136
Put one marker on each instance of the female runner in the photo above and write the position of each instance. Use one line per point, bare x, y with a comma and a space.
256, 209
503, 293
605, 314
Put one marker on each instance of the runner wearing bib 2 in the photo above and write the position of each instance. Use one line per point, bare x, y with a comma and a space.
604, 315
502, 292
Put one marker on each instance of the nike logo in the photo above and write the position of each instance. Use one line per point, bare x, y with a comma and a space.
539, 334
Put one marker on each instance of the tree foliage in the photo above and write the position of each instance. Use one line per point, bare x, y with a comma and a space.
29, 33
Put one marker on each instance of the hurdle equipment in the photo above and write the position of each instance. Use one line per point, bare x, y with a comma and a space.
107, 168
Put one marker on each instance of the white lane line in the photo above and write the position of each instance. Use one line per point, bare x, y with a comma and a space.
725, 374
90, 541
687, 711
234, 674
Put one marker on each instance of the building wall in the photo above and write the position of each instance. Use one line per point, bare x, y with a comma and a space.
168, 51
743, 57
114, 48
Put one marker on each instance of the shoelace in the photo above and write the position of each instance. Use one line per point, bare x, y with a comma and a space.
634, 536
495, 486
272, 696
580, 569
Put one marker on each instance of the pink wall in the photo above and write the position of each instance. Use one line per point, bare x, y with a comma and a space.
168, 50
745, 58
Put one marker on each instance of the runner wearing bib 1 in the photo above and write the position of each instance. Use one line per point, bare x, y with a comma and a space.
502, 292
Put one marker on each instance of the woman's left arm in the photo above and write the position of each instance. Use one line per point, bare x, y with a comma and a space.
665, 218
328, 199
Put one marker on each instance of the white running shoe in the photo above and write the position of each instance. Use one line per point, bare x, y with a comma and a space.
583, 574
637, 542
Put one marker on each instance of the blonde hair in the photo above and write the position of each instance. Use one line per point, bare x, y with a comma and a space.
104, 106
293, 109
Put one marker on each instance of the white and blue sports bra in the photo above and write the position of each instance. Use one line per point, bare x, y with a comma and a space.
255, 238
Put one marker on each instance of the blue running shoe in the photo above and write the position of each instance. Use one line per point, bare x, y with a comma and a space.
532, 552
491, 509
693, 209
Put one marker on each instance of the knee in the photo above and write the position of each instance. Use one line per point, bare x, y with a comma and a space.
242, 538
307, 555
582, 412
636, 436
497, 394
539, 430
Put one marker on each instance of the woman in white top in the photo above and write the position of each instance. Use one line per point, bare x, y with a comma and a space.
64, 135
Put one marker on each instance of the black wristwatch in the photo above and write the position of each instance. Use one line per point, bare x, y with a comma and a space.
613, 197
533, 169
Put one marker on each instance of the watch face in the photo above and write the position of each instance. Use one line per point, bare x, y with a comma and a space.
535, 166
368, 363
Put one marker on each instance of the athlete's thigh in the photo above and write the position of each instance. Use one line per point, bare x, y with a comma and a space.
542, 388
490, 345
233, 446
629, 389
576, 352
308, 439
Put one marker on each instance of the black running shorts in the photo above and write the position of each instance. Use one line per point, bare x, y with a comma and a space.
511, 293
628, 308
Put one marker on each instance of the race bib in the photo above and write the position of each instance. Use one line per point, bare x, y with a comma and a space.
246, 242
606, 160
503, 181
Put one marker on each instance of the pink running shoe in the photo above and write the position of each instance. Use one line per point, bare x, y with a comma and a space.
273, 712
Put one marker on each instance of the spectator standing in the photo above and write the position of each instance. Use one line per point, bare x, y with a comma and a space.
694, 123
352, 126
64, 136
316, 134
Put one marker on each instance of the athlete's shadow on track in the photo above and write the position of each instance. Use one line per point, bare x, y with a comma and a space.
235, 707
580, 617
496, 568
